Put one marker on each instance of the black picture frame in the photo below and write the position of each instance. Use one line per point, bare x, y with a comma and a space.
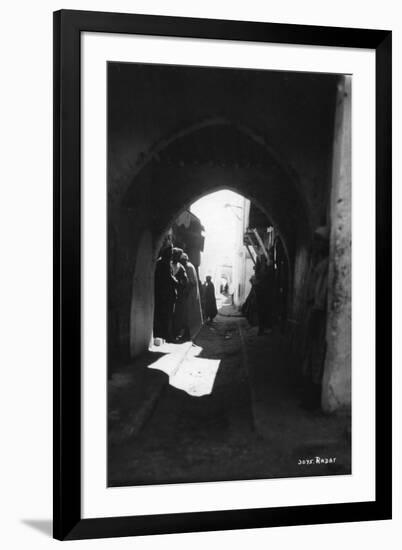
68, 26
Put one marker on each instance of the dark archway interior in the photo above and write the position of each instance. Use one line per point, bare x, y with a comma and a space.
217, 156
223, 156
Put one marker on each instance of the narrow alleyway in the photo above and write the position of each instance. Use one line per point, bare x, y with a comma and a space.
250, 426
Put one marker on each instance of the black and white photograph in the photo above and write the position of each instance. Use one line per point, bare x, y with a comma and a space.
229, 239
201, 275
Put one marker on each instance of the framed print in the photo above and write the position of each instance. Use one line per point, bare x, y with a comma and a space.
222, 274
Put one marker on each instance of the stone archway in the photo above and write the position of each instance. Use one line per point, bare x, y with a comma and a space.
203, 159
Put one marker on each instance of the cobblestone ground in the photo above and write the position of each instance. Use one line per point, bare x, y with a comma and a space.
251, 425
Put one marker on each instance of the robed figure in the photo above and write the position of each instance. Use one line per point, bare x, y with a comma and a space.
165, 295
210, 308
264, 287
193, 313
179, 273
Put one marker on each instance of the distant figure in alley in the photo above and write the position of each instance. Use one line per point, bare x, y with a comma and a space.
210, 308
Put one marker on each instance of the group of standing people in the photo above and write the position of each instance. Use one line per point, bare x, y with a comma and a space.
177, 315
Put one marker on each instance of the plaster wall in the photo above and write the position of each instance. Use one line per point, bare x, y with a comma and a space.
336, 387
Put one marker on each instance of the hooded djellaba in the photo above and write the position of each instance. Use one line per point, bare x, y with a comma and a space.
210, 309
180, 275
193, 313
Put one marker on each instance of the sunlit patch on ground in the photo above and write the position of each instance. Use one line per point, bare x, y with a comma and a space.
186, 371
196, 376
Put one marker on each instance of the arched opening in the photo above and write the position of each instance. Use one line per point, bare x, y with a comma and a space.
232, 242
218, 155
